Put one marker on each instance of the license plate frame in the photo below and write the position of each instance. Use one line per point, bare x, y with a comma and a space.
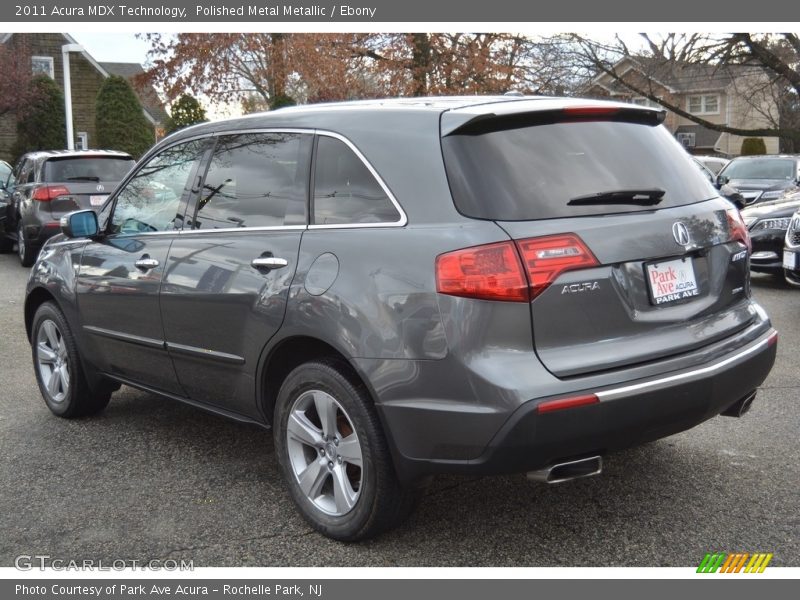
672, 280
97, 199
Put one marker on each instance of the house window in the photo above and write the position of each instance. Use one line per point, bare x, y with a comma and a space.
645, 102
43, 65
705, 104
82, 141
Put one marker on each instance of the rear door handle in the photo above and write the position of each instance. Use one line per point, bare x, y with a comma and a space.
146, 263
268, 262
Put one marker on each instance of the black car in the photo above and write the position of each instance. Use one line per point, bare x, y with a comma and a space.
408, 287
791, 251
762, 178
767, 223
726, 191
45, 185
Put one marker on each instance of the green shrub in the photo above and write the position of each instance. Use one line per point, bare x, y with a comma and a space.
42, 126
120, 120
753, 146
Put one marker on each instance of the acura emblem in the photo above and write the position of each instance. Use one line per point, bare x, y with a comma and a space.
680, 233
100, 188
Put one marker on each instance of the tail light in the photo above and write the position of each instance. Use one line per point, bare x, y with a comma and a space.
738, 229
490, 272
545, 258
49, 192
495, 272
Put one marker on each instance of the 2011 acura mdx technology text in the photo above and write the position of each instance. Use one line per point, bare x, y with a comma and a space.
410, 287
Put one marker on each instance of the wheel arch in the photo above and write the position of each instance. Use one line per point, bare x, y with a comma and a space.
289, 353
35, 298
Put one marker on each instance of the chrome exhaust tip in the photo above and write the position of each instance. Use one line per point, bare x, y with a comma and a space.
567, 471
740, 407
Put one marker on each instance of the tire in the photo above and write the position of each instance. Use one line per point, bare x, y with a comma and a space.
58, 368
337, 497
25, 252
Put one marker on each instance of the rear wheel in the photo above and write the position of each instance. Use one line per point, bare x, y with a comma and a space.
25, 251
334, 456
58, 368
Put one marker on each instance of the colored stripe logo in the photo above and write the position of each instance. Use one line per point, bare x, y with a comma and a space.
739, 562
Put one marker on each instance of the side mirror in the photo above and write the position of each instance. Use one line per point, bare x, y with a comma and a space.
78, 224
722, 180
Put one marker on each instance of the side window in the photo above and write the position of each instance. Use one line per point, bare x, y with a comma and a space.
151, 200
23, 172
255, 180
345, 192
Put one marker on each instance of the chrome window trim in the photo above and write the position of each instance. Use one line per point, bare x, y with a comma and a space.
244, 229
402, 222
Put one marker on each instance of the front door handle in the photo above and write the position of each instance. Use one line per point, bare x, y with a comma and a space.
268, 262
146, 263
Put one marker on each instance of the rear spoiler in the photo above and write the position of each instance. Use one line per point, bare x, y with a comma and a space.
462, 123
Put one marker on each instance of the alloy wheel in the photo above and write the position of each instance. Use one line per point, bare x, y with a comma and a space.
51, 360
324, 453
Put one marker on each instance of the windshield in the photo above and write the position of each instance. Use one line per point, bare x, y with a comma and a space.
532, 172
760, 168
87, 168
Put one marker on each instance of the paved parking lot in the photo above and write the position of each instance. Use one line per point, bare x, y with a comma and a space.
152, 479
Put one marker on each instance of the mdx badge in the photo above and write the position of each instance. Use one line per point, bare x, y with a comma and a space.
680, 233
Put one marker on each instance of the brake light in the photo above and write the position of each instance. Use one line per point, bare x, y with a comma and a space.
590, 111
49, 192
494, 271
545, 258
489, 272
738, 228
564, 403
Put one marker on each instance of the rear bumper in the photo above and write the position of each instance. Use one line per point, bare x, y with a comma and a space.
626, 415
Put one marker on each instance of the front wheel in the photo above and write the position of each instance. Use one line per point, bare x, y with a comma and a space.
334, 456
58, 367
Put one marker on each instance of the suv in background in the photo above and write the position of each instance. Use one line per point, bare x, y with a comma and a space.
762, 178
45, 185
403, 288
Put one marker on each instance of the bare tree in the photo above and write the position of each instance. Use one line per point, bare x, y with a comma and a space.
763, 69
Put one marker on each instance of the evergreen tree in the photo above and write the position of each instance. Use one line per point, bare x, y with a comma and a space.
42, 125
120, 120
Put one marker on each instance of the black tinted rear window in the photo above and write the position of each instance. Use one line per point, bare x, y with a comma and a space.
532, 172
88, 168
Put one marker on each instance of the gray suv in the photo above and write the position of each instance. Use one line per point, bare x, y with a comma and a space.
410, 287
47, 184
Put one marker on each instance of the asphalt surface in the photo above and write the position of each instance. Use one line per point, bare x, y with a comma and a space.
153, 479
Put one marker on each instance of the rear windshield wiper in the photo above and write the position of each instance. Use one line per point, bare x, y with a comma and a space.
83, 178
645, 197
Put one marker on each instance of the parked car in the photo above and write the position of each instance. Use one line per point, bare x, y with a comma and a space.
5, 172
46, 185
366, 279
767, 223
713, 163
791, 252
762, 178
726, 191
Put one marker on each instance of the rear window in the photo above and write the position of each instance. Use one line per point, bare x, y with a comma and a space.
89, 168
532, 172
760, 168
